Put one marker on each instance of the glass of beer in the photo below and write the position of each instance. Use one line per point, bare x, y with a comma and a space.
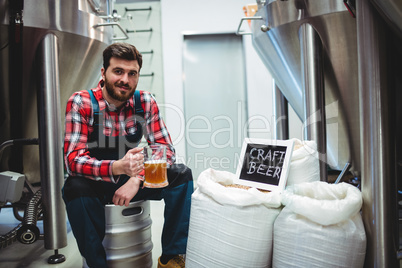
155, 166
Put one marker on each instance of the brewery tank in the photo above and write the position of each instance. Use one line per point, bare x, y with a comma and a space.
350, 52
280, 50
48, 50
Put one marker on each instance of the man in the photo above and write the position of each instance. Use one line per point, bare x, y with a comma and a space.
102, 127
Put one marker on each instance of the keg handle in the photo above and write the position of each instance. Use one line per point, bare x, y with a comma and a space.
135, 211
125, 37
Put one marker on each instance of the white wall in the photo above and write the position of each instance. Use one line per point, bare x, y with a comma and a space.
208, 16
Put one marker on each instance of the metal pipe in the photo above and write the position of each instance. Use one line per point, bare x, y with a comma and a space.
8, 143
238, 32
138, 9
343, 172
139, 31
147, 52
50, 140
281, 115
147, 75
125, 37
313, 92
378, 181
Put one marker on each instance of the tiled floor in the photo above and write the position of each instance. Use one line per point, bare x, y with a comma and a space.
19, 255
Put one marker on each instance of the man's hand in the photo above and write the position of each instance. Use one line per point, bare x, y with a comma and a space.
126, 192
131, 164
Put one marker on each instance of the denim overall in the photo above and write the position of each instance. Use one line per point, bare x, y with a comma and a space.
85, 198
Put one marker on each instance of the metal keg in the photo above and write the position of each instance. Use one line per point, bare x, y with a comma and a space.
127, 239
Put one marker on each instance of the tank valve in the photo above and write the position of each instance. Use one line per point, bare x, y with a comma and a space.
265, 28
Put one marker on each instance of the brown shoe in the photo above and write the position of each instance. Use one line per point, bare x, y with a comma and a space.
176, 262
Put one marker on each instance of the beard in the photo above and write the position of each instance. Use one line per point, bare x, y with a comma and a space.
117, 94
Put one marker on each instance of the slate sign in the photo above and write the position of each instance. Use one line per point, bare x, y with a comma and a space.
264, 164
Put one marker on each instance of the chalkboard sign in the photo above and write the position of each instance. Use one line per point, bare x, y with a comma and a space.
264, 164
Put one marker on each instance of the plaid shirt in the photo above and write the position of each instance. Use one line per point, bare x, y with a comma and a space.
79, 126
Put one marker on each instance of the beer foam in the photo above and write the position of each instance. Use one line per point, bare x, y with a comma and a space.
155, 161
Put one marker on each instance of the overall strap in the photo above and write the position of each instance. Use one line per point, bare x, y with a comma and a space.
102, 147
139, 115
95, 105
138, 104
137, 99
108, 147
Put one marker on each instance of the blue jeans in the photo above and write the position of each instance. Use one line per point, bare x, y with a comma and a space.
85, 200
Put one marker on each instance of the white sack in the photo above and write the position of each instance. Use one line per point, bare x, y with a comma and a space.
230, 227
322, 202
212, 183
320, 226
304, 164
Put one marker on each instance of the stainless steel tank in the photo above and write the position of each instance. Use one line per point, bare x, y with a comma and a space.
80, 46
280, 50
349, 51
48, 50
391, 10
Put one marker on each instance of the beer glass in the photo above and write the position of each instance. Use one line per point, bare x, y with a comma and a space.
155, 166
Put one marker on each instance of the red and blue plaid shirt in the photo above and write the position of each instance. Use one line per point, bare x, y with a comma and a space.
79, 126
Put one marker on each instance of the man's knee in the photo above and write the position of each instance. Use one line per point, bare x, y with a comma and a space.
75, 187
179, 174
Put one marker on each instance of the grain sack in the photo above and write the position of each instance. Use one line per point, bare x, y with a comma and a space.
304, 164
230, 226
320, 226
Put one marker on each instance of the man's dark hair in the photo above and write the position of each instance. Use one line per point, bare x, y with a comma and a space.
122, 51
